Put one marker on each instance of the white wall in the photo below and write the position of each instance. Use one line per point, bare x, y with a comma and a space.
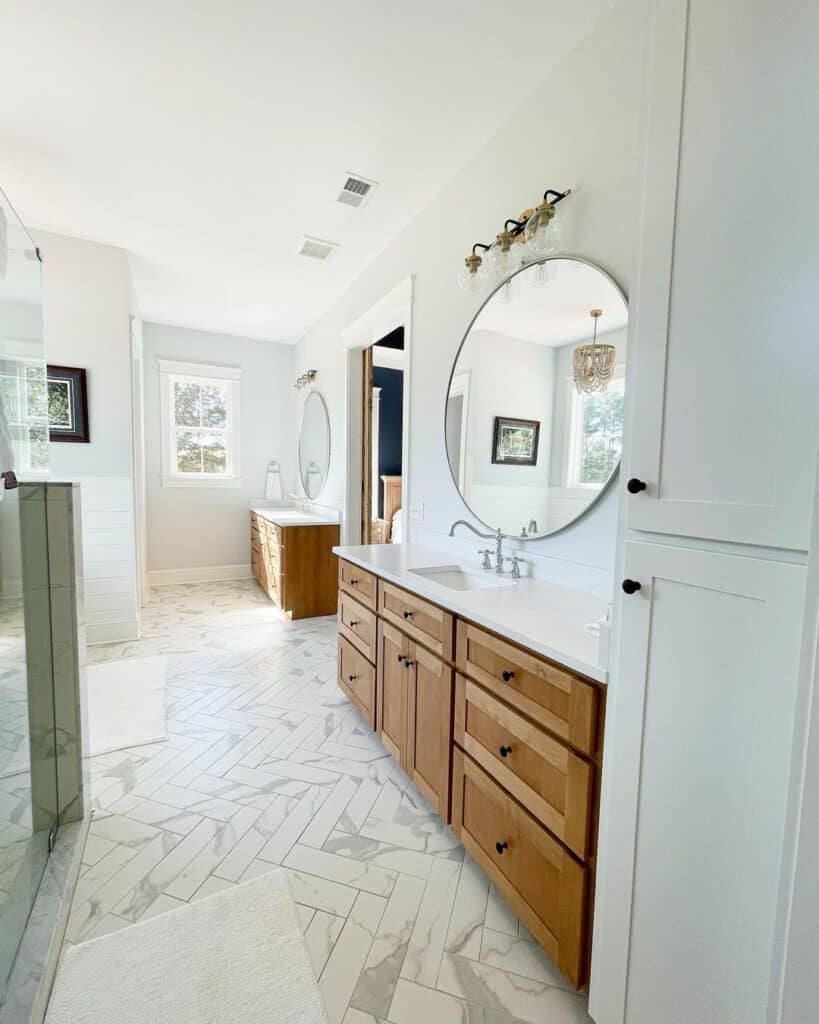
195, 528
87, 305
580, 129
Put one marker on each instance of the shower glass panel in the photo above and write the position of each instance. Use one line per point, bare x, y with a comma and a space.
28, 781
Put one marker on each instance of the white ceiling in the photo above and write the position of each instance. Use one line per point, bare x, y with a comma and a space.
205, 136
558, 311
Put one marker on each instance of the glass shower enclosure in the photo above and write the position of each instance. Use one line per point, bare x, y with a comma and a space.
28, 777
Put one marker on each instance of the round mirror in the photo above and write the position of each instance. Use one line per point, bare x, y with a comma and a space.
534, 411
314, 445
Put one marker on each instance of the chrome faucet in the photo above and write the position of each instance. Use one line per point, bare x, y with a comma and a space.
497, 537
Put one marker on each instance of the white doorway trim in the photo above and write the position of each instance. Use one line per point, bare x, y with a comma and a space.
392, 311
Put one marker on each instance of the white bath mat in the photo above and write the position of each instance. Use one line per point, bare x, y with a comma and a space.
237, 957
126, 703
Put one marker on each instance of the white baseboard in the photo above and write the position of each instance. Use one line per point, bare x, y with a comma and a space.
111, 632
203, 574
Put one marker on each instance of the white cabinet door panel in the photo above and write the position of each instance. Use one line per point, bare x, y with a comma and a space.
709, 650
725, 362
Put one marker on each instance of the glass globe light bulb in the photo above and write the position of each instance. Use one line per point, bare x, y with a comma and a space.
543, 230
502, 257
473, 274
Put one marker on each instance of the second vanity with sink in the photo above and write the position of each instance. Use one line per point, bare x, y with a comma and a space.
488, 692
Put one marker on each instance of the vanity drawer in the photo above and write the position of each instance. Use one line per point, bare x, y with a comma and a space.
357, 624
419, 619
273, 533
545, 885
356, 677
550, 780
554, 698
358, 582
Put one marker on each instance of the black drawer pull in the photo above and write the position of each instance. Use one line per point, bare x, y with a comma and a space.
505, 751
401, 657
353, 623
634, 486
631, 586
500, 847
408, 663
353, 583
352, 678
507, 675
407, 615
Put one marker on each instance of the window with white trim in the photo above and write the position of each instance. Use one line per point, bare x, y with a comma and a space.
200, 425
23, 391
596, 436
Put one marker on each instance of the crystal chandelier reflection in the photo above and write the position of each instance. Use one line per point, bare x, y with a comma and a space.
593, 364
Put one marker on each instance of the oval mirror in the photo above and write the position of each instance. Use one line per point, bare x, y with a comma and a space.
314, 445
534, 411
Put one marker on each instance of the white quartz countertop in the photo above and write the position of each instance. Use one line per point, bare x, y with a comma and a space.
545, 617
294, 517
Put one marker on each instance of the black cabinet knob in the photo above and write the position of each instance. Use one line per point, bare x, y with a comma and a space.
505, 751
631, 586
353, 583
634, 486
352, 679
500, 847
408, 663
401, 657
353, 623
407, 615
507, 675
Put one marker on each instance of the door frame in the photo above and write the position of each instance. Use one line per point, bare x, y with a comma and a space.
393, 310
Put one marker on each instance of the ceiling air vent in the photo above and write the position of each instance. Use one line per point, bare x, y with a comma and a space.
356, 191
316, 248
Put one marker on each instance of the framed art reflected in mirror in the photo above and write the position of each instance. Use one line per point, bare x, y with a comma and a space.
67, 394
514, 442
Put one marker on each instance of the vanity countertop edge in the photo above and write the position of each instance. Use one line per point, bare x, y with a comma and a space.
293, 517
544, 617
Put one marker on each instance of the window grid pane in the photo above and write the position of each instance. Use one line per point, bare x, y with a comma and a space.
201, 413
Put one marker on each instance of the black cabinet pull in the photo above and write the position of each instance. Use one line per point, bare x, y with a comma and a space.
407, 615
634, 486
505, 751
507, 675
352, 679
500, 847
631, 586
408, 663
353, 623
353, 583
401, 657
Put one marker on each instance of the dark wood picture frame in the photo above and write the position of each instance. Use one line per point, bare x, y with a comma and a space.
76, 427
502, 422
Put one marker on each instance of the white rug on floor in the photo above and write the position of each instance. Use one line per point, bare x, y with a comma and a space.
237, 957
126, 703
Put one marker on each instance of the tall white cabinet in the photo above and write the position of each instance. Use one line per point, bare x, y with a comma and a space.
724, 429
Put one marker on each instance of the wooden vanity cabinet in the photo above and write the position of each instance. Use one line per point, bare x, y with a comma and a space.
294, 565
501, 742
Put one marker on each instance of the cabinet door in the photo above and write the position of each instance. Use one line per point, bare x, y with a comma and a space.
723, 374
391, 699
704, 705
429, 727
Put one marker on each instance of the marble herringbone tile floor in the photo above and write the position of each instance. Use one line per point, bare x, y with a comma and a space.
267, 764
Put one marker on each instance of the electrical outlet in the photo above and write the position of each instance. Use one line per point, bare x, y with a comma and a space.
416, 509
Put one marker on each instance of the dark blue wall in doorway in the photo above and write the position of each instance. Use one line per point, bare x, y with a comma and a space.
390, 420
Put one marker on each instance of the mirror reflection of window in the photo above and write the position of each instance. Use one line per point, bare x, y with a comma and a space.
516, 363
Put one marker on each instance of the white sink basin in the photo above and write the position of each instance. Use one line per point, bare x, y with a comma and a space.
454, 577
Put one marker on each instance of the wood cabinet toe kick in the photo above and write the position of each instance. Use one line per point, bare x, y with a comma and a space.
502, 743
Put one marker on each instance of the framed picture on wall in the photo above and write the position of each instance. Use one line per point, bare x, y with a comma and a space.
515, 442
67, 404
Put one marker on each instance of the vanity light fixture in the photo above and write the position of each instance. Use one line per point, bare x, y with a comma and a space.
593, 364
305, 379
535, 233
